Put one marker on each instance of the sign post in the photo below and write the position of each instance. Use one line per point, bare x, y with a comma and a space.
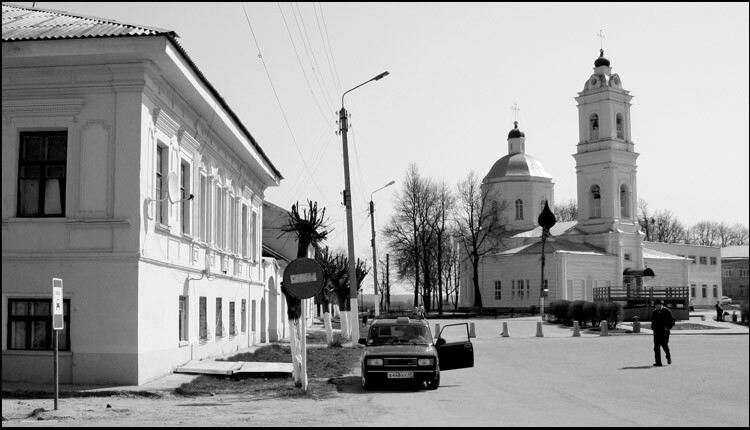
57, 325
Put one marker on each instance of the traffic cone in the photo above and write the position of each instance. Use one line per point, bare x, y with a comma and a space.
604, 328
539, 329
472, 333
505, 330
576, 333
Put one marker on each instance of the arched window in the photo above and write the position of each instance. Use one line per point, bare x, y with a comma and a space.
596, 202
624, 201
519, 209
594, 127
618, 121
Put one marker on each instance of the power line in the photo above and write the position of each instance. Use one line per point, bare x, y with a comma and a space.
275, 93
310, 52
328, 58
325, 28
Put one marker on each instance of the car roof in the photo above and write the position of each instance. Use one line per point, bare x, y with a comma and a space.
398, 320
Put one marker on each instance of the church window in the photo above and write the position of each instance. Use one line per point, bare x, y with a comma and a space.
618, 121
594, 120
519, 209
520, 289
627, 256
624, 202
498, 285
596, 202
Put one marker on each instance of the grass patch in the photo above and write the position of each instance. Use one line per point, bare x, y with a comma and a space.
323, 363
685, 326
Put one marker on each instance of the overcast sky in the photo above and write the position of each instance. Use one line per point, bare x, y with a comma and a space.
456, 70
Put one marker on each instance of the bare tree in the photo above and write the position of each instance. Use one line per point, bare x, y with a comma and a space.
480, 220
566, 211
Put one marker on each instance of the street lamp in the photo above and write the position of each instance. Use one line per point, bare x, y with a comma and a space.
374, 254
348, 203
546, 221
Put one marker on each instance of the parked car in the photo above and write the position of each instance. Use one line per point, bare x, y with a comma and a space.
401, 350
726, 300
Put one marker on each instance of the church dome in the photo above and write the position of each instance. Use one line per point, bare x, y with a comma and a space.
601, 61
515, 132
517, 165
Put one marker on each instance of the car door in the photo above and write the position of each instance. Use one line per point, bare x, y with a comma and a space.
457, 352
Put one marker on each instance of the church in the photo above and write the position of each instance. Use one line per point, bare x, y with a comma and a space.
604, 250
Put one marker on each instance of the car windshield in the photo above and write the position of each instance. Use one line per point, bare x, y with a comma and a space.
399, 334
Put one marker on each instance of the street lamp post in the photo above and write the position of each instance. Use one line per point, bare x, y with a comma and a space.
374, 254
546, 221
348, 204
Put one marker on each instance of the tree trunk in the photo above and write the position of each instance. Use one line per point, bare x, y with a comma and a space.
477, 292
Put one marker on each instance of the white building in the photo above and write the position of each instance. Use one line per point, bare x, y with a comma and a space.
98, 118
605, 246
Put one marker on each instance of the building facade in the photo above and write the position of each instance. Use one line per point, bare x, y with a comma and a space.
127, 176
605, 246
734, 273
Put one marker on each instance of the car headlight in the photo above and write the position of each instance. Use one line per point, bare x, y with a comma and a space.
426, 361
374, 361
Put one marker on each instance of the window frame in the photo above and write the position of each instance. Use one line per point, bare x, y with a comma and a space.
30, 319
498, 290
519, 209
183, 318
43, 166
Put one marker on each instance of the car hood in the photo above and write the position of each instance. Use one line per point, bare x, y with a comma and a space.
400, 350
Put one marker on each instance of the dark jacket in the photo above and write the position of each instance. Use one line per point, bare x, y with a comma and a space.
661, 321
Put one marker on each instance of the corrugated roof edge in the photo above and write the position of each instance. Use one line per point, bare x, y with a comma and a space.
172, 36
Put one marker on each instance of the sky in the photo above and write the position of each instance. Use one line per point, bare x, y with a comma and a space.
455, 72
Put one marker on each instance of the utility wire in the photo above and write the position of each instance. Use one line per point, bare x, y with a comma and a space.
325, 28
275, 93
311, 52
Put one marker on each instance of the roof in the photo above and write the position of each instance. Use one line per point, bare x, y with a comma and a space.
653, 254
559, 229
22, 24
735, 251
555, 245
518, 165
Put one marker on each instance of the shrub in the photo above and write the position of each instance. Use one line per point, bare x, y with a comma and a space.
576, 312
589, 311
559, 309
744, 311
610, 311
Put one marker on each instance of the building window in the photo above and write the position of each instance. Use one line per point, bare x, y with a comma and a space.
183, 321
692, 290
692, 258
713, 261
520, 289
727, 272
202, 319
185, 192
618, 122
42, 165
716, 291
253, 235
703, 259
743, 273
528, 287
30, 325
513, 290
243, 315
219, 320
594, 124
519, 209
232, 325
245, 252
703, 290
161, 169
498, 285
624, 202
627, 256
252, 316
596, 202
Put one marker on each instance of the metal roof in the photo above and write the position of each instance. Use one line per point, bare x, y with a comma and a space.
22, 23
30, 24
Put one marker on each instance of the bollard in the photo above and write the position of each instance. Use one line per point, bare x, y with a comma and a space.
703, 317
472, 333
576, 333
734, 316
505, 330
539, 329
636, 326
437, 330
604, 328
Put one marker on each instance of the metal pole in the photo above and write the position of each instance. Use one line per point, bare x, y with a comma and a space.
349, 228
374, 259
541, 287
387, 283
57, 374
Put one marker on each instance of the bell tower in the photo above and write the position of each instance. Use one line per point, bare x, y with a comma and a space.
605, 158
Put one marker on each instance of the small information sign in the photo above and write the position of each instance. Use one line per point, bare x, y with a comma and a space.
57, 304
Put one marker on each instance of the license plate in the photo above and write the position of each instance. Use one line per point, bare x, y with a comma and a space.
400, 375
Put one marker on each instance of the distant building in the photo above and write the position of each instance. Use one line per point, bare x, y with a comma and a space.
108, 131
734, 272
604, 250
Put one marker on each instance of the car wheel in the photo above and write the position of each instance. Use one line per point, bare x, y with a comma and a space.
435, 383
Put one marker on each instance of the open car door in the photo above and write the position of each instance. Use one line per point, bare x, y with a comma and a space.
454, 347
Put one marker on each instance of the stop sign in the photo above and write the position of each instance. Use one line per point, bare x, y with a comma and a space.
303, 278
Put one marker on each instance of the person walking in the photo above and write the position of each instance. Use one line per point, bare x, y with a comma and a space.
662, 322
719, 311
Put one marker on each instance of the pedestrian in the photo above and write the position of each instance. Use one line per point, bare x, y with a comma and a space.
719, 311
662, 322
421, 311
692, 309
